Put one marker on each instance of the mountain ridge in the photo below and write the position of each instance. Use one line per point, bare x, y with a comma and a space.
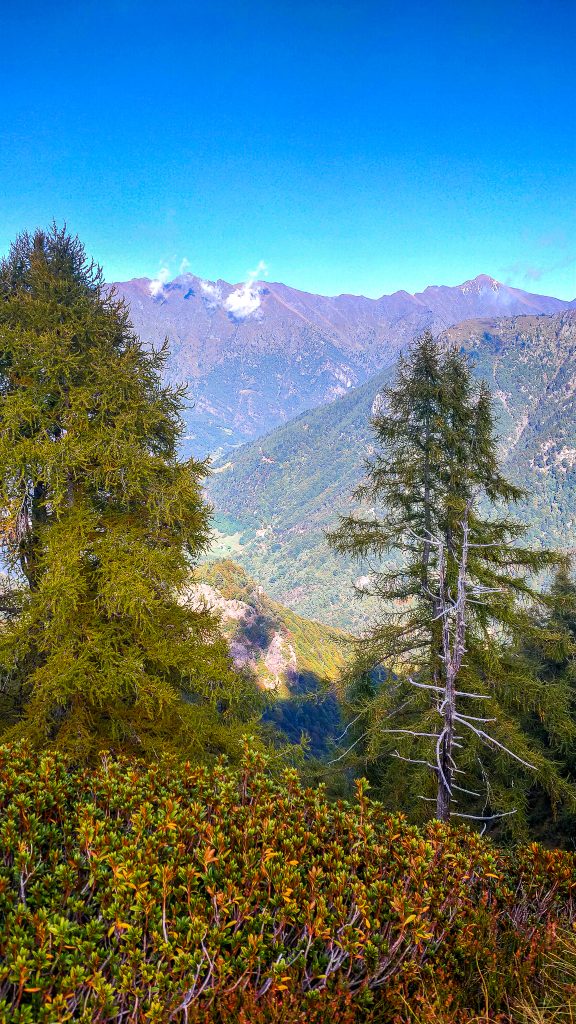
485, 279
257, 354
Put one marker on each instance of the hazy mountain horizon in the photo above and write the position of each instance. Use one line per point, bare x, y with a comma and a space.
160, 284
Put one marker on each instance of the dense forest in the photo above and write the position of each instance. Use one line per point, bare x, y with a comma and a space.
214, 809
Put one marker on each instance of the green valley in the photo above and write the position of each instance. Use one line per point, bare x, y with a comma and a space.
278, 495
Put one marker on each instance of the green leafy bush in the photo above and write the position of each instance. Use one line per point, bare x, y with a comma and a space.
170, 893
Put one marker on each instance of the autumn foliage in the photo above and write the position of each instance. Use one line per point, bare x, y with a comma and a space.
165, 893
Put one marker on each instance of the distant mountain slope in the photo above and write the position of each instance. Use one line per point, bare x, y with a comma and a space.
276, 497
256, 355
279, 646
292, 658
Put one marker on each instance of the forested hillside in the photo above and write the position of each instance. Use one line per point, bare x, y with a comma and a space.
277, 496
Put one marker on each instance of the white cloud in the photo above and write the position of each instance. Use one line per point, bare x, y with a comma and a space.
212, 293
246, 299
261, 270
156, 286
243, 301
166, 272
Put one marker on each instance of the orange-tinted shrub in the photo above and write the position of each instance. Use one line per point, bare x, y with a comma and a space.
164, 893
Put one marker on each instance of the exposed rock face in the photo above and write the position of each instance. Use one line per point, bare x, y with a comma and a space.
285, 652
295, 660
237, 611
255, 355
280, 659
267, 653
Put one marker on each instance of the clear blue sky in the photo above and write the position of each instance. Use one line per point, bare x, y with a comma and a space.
352, 146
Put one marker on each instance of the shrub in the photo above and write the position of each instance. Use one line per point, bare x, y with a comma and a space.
166, 893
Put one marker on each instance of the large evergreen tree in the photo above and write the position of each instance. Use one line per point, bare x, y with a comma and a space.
452, 581
100, 523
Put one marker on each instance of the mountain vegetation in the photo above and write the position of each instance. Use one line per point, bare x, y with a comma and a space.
99, 520
556, 670
449, 698
185, 828
277, 497
170, 893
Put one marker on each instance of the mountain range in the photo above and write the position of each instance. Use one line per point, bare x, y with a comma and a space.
276, 496
256, 355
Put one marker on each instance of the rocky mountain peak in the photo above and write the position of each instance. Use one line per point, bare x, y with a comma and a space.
256, 354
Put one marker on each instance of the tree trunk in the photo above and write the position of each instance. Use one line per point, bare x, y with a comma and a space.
453, 648
445, 765
29, 547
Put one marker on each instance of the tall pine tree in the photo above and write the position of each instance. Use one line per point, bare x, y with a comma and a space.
100, 524
453, 582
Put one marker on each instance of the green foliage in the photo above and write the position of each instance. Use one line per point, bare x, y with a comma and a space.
434, 486
281, 493
165, 893
557, 671
100, 520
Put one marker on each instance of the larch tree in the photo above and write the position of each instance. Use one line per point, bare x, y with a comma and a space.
100, 524
436, 685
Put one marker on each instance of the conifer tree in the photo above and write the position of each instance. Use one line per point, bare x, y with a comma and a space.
452, 581
100, 524
557, 671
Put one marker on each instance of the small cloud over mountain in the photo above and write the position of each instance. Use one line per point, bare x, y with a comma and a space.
165, 273
261, 270
157, 283
246, 299
212, 294
243, 300
240, 303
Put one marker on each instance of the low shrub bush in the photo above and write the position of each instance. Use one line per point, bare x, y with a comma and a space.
160, 893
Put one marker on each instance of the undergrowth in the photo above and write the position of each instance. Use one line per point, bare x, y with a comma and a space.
138, 893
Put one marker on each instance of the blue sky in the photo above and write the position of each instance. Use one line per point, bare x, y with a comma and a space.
358, 146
